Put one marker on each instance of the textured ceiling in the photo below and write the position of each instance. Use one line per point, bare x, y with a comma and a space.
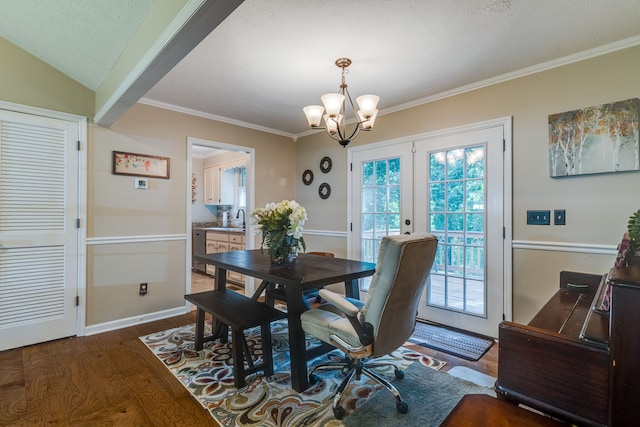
270, 58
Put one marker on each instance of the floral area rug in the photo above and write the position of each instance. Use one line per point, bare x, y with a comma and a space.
208, 375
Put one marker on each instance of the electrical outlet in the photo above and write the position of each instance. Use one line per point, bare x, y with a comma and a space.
539, 217
143, 288
559, 217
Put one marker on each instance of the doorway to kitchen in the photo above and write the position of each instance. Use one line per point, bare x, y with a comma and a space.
221, 181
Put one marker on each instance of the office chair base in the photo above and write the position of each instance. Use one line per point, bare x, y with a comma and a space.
356, 368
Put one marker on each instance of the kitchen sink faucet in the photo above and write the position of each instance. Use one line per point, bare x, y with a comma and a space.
244, 226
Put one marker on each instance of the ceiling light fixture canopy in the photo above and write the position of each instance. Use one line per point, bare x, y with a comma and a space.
335, 106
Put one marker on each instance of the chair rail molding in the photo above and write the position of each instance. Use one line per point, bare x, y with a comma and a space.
586, 248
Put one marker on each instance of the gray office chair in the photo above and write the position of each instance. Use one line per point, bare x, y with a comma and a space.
385, 320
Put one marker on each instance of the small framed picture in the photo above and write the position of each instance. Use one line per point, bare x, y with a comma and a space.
140, 165
141, 183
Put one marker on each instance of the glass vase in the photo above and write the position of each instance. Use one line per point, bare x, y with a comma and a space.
284, 251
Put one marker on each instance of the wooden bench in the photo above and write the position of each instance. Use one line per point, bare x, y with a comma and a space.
232, 310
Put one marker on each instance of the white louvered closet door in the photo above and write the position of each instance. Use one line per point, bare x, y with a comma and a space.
38, 234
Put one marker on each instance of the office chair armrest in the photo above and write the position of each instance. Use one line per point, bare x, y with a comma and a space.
364, 331
340, 302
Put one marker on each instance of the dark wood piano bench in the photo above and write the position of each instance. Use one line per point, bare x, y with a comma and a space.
481, 410
235, 311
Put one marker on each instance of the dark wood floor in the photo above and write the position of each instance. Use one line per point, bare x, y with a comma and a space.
112, 379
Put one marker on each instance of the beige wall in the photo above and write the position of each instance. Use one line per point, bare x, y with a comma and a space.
120, 212
26, 80
597, 206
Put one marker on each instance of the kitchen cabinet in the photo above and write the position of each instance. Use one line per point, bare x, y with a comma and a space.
225, 242
218, 186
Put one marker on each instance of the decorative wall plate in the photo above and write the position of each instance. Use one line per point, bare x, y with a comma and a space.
307, 177
325, 164
324, 191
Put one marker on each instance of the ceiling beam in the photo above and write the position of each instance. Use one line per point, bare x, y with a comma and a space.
114, 98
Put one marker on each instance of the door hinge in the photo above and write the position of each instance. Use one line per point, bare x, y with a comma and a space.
77, 222
504, 317
79, 145
77, 300
351, 167
504, 232
350, 226
504, 145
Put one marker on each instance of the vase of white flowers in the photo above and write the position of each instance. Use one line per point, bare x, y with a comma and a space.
281, 227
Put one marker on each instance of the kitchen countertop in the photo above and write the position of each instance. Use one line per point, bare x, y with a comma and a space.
227, 229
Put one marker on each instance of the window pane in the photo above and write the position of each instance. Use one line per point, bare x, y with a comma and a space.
475, 262
436, 223
475, 222
394, 171
436, 166
368, 200
475, 195
455, 222
367, 174
381, 199
367, 225
475, 162
436, 197
381, 172
394, 199
381, 225
455, 164
455, 196
394, 224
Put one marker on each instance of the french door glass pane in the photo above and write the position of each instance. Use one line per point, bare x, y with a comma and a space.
380, 206
456, 190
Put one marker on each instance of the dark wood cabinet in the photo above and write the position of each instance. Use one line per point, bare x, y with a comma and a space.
573, 361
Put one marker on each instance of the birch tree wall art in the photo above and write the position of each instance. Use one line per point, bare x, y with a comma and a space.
598, 139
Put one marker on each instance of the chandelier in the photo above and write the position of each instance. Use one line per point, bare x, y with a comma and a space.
334, 104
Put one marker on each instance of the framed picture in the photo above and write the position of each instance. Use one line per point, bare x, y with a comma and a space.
140, 165
598, 139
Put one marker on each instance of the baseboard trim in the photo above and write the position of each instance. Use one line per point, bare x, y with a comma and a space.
134, 320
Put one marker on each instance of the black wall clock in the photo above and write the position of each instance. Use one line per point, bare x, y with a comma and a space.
325, 164
324, 191
307, 177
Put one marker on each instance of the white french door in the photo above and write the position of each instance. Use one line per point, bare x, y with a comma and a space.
450, 184
39, 206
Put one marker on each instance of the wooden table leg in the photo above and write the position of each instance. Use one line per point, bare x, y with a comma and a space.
220, 281
199, 328
351, 289
238, 358
297, 345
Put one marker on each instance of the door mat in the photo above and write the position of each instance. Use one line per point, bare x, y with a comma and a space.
456, 343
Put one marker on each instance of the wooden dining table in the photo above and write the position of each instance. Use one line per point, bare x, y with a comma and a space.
306, 272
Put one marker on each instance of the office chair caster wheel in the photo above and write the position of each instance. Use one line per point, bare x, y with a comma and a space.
339, 412
402, 406
399, 373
